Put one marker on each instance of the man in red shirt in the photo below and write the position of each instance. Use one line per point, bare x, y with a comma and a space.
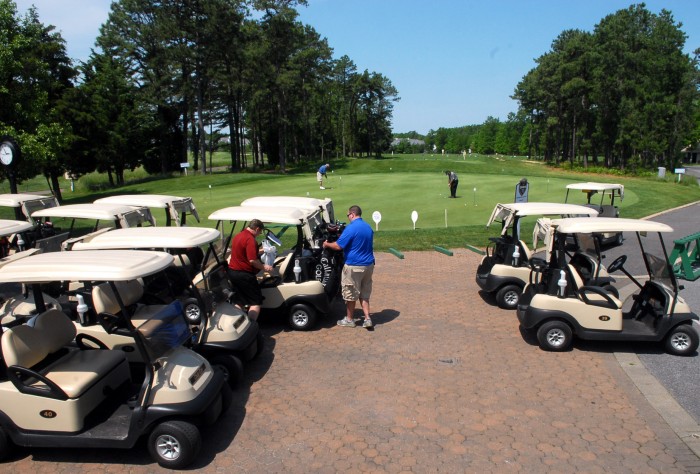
244, 266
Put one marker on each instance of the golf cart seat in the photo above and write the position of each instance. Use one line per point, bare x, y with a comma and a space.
593, 294
38, 363
131, 292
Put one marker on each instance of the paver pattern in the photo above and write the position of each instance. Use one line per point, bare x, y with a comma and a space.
446, 382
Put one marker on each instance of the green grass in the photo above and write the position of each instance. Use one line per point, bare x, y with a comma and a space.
396, 186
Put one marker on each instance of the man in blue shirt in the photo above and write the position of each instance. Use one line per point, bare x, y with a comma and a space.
357, 243
321, 173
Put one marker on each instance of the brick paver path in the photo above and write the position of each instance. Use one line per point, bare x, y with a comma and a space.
445, 383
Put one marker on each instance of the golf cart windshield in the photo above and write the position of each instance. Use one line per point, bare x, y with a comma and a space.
28, 203
165, 330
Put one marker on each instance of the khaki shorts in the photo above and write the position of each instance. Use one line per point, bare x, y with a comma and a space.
356, 282
319, 177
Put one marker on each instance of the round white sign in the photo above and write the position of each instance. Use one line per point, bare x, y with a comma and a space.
377, 217
414, 216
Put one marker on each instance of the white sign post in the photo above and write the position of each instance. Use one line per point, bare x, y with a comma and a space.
414, 218
185, 166
377, 218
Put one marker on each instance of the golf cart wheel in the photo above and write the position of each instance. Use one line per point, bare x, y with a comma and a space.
5, 445
302, 317
555, 336
174, 444
618, 239
508, 296
193, 312
231, 366
682, 340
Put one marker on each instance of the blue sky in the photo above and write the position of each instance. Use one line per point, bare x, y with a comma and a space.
453, 62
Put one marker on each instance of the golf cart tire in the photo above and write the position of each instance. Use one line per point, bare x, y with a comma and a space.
555, 336
193, 312
174, 444
231, 366
618, 239
302, 317
682, 340
5, 444
508, 296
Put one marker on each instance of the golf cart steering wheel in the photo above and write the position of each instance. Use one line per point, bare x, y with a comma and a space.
617, 264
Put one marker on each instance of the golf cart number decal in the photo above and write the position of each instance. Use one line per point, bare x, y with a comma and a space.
198, 373
47, 414
604, 317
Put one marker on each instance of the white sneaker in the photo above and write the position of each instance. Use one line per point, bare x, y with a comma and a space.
322, 187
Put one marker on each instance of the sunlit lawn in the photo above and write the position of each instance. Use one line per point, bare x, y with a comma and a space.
395, 187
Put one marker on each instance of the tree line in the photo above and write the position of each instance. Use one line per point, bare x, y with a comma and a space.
168, 76
624, 96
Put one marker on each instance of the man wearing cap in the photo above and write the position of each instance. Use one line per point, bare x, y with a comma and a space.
244, 266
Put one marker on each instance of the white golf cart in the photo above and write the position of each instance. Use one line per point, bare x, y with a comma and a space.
292, 287
562, 306
505, 269
24, 205
223, 333
176, 208
53, 395
606, 207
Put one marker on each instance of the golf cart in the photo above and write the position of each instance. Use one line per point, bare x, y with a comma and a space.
292, 287
563, 306
176, 208
24, 205
326, 205
58, 390
328, 264
222, 332
505, 269
606, 207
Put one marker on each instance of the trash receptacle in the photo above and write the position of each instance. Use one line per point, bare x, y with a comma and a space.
662, 172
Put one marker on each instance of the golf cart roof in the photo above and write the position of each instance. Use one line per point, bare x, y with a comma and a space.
16, 200
95, 265
28, 203
292, 201
8, 226
576, 225
102, 211
506, 213
278, 215
598, 187
149, 238
174, 204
